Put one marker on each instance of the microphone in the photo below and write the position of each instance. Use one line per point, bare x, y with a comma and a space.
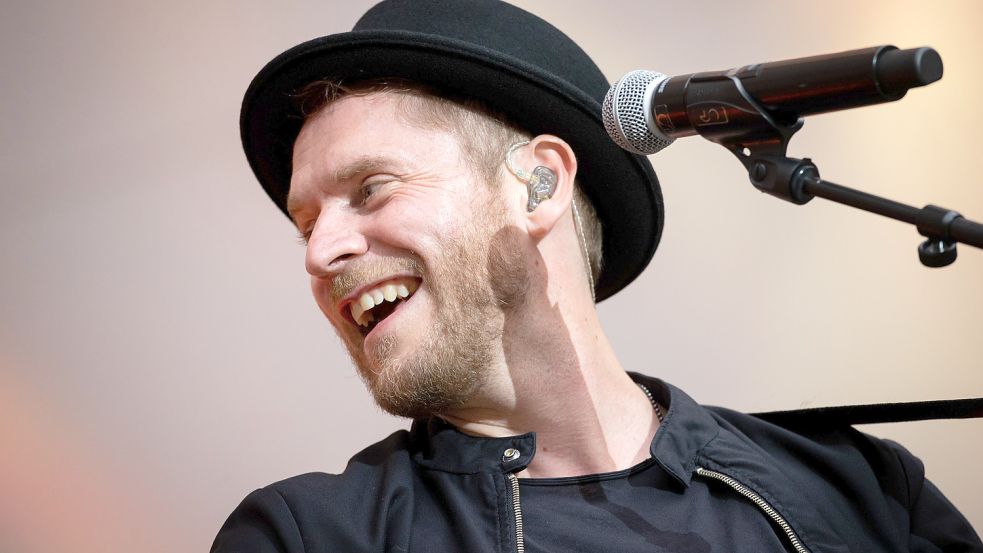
645, 111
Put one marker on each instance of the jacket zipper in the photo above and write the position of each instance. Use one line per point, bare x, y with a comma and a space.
757, 500
520, 546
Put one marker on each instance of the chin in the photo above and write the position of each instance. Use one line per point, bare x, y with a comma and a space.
421, 381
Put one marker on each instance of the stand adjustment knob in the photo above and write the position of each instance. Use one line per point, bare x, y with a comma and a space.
936, 252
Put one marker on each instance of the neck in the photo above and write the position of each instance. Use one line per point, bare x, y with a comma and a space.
559, 377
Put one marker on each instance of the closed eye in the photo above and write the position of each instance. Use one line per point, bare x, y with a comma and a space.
303, 237
305, 229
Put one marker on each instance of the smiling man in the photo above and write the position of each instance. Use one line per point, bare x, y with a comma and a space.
397, 229
446, 164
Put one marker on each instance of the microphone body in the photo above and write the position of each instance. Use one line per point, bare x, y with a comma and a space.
645, 111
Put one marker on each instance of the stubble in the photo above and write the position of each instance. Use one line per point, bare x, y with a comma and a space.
472, 285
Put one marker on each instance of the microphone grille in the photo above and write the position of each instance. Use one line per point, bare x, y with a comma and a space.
627, 113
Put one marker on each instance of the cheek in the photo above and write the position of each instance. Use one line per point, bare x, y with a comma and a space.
412, 225
322, 297
442, 226
507, 268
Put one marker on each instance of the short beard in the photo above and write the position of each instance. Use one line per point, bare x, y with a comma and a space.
442, 375
472, 289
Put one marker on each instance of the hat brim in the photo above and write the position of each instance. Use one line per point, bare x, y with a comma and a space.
622, 186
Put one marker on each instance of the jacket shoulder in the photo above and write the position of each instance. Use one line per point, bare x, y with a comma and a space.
825, 450
873, 478
318, 511
376, 462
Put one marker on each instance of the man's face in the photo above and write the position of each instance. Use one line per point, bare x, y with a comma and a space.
400, 232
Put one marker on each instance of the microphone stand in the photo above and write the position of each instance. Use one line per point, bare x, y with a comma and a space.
761, 147
759, 140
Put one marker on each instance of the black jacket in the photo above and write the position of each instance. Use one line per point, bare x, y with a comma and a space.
435, 489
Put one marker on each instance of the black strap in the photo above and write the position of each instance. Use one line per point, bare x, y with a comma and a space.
848, 415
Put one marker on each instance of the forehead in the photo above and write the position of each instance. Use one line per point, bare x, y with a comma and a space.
358, 127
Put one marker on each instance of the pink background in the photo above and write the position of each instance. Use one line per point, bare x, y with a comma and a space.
160, 355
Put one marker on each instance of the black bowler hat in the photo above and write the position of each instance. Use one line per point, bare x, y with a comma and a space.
488, 50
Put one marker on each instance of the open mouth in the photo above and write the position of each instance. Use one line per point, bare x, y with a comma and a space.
375, 304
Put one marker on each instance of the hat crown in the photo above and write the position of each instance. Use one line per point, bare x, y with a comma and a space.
502, 29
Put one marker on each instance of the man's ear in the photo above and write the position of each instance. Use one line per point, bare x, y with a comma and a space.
558, 161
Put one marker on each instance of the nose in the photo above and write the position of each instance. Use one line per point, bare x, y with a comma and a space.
335, 240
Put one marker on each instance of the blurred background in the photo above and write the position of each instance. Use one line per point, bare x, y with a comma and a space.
160, 356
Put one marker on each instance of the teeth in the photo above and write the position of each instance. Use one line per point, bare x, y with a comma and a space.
357, 311
361, 309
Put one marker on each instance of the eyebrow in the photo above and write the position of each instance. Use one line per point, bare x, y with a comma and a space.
362, 164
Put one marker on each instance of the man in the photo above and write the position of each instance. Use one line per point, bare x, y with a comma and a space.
447, 166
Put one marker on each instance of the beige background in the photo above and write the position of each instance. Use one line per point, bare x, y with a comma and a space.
160, 356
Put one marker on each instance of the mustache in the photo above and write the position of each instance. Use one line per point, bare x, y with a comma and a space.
362, 272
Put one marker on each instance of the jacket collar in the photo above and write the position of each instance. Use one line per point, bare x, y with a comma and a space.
440, 446
686, 429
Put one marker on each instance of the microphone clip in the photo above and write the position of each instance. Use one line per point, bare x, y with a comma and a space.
758, 139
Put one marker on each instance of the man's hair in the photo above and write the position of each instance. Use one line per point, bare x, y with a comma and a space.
485, 135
